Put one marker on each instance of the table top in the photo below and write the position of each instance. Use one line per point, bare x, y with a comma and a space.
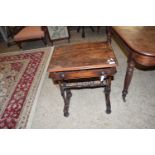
82, 56
141, 39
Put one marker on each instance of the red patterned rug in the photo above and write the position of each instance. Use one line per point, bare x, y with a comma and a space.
21, 76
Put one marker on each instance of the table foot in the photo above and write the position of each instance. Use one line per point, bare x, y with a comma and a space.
66, 114
108, 111
124, 93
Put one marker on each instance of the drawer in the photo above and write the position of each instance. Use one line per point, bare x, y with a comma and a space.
90, 73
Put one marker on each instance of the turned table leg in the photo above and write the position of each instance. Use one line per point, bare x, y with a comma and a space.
83, 32
78, 29
107, 91
66, 94
128, 77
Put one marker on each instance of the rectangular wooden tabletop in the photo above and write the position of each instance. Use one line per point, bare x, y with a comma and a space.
82, 56
140, 39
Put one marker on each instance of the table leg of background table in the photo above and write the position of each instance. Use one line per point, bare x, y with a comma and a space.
83, 32
128, 77
107, 94
66, 94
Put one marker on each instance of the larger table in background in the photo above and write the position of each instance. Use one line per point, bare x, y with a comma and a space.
140, 43
82, 66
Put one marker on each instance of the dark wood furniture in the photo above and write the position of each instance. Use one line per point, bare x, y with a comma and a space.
30, 33
85, 65
139, 41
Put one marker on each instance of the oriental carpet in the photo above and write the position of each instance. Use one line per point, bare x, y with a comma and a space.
21, 77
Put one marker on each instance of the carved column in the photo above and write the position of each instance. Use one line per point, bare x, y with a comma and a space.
66, 94
107, 91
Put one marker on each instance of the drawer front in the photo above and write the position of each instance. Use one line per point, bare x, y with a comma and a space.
56, 76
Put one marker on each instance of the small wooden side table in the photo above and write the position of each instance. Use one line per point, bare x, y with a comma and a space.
86, 65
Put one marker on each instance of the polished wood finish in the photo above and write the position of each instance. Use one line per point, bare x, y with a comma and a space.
82, 56
139, 41
90, 73
82, 63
